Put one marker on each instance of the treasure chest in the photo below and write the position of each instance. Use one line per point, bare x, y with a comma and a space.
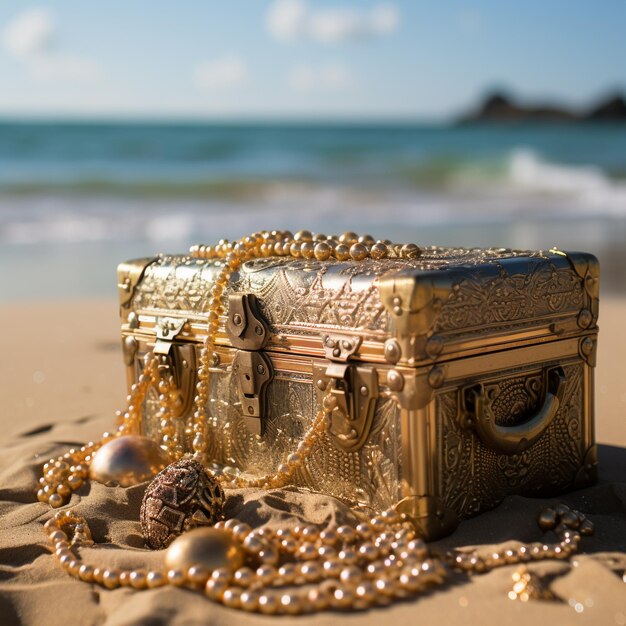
449, 377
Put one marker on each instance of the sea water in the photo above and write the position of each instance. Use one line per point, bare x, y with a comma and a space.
76, 198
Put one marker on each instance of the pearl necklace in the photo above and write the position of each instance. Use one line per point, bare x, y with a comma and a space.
288, 570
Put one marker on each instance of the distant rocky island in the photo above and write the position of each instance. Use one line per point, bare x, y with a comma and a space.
499, 107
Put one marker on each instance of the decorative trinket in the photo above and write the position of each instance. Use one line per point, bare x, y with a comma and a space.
127, 460
182, 496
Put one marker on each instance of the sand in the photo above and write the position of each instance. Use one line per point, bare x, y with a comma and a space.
61, 387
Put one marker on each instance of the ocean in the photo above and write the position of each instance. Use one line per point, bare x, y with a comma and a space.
76, 198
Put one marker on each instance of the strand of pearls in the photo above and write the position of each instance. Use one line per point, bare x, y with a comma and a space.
307, 570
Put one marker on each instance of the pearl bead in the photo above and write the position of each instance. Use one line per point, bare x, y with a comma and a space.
85, 572
197, 575
547, 519
155, 579
55, 501
111, 578
215, 589
128, 460
208, 547
268, 602
290, 603
176, 577
249, 600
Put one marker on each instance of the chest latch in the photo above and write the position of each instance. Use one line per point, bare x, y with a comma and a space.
251, 367
178, 359
353, 390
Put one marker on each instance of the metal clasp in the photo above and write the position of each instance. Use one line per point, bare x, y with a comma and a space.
177, 358
353, 389
248, 332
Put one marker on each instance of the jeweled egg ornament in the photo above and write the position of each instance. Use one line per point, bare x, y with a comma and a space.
184, 495
127, 461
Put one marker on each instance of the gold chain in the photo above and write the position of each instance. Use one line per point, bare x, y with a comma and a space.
286, 571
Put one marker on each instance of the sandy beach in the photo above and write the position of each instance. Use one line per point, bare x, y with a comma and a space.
62, 386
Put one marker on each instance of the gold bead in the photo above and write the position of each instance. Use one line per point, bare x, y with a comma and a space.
410, 251
128, 460
322, 251
294, 249
342, 252
307, 250
207, 547
349, 238
358, 251
378, 251
368, 240
303, 235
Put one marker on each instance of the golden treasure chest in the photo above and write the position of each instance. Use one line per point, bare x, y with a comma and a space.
438, 380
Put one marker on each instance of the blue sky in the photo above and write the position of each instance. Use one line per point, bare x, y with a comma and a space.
302, 58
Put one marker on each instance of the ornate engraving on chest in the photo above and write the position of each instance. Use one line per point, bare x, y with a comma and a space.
475, 477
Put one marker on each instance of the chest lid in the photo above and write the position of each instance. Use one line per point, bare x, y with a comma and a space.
441, 304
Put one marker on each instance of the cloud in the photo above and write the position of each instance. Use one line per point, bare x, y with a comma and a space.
330, 77
29, 34
293, 20
225, 72
29, 38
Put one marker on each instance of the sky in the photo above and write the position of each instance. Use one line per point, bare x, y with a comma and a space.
283, 59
